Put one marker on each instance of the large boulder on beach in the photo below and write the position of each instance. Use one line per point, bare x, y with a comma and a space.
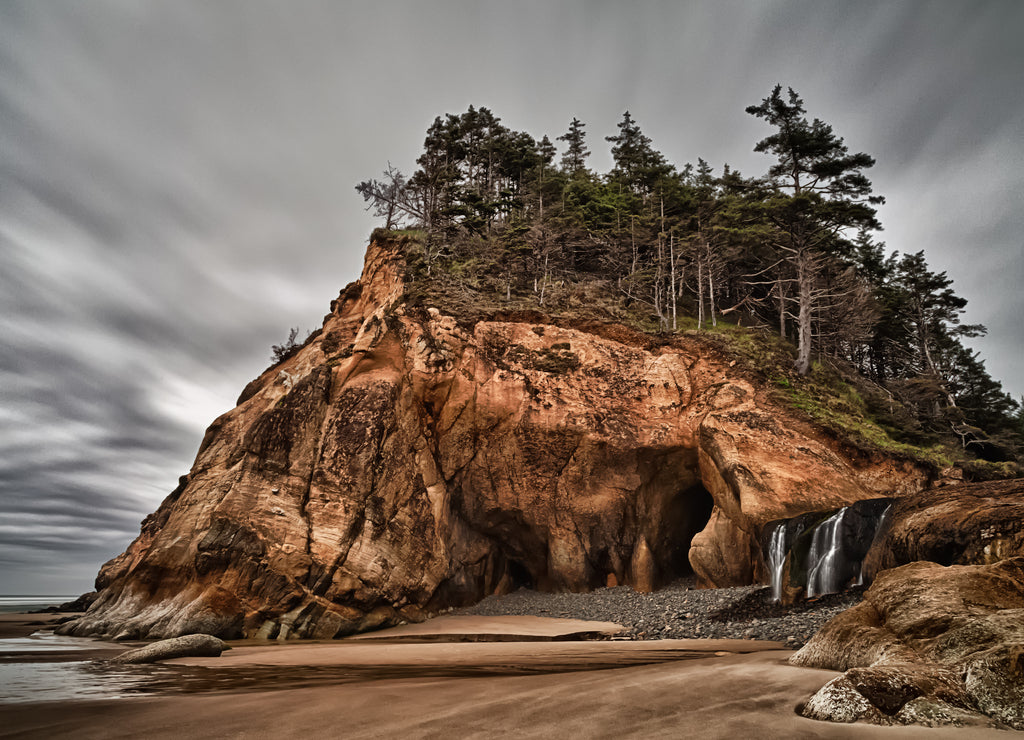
930, 644
187, 646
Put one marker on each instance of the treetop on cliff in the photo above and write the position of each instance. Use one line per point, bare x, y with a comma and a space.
790, 251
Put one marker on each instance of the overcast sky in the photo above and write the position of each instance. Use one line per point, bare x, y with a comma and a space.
176, 187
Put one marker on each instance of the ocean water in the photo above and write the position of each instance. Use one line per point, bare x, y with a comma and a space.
19, 603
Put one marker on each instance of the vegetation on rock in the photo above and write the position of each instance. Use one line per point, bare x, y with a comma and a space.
781, 270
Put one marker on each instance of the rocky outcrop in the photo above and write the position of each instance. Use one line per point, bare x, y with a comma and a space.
186, 646
929, 644
972, 524
402, 462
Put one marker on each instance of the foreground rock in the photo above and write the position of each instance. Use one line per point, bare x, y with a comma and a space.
928, 645
188, 646
402, 462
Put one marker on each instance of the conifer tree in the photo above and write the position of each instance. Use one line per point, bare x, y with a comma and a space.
817, 190
574, 159
638, 166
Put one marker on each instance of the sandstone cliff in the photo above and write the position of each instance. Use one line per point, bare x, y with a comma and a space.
402, 462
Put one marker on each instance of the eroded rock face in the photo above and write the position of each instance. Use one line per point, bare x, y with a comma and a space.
928, 645
972, 524
401, 462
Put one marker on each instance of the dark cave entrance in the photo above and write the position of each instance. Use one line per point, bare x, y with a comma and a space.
519, 575
685, 514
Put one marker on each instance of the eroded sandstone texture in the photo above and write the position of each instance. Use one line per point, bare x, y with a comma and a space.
401, 463
972, 524
930, 644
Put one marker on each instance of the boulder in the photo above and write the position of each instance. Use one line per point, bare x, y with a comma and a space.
186, 646
930, 644
81, 604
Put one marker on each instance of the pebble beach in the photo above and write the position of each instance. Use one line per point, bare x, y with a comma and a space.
679, 611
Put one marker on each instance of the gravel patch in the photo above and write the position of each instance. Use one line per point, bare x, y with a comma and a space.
680, 611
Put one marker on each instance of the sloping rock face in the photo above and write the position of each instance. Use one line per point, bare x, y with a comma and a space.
929, 644
402, 462
973, 524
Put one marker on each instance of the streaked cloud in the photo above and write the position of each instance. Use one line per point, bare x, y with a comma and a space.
176, 187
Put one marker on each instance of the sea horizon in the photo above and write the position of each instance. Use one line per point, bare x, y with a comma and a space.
16, 603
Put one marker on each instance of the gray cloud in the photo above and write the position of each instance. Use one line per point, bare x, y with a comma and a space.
176, 187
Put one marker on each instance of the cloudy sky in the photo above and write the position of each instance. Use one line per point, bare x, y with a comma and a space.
176, 187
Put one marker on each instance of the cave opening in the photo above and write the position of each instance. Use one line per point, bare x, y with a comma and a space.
686, 514
519, 575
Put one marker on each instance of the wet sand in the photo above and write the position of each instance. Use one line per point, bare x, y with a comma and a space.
22, 625
491, 629
15, 627
576, 689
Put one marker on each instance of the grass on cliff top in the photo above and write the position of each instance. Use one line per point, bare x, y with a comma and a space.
849, 406
470, 286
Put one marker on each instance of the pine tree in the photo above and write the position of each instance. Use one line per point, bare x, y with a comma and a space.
933, 313
637, 165
574, 159
817, 191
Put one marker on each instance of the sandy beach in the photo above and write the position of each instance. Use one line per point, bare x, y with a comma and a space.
387, 688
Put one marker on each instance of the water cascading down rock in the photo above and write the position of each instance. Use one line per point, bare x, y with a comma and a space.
823, 552
404, 460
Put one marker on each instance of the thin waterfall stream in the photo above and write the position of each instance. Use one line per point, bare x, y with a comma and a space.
825, 556
777, 559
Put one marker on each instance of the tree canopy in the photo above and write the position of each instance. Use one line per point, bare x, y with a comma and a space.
791, 251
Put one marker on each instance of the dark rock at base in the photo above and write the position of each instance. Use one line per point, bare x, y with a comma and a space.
176, 647
81, 604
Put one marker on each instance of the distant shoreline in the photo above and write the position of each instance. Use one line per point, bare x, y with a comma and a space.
22, 603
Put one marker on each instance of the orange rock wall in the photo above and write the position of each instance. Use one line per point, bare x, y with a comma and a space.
401, 463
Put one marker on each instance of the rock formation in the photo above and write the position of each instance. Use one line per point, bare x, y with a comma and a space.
978, 523
930, 644
186, 646
401, 462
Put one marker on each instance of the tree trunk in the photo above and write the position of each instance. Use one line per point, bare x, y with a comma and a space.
782, 308
804, 275
658, 275
700, 293
711, 296
672, 258
544, 285
632, 240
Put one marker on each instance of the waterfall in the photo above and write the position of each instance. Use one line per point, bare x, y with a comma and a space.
777, 559
824, 558
826, 549
879, 530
